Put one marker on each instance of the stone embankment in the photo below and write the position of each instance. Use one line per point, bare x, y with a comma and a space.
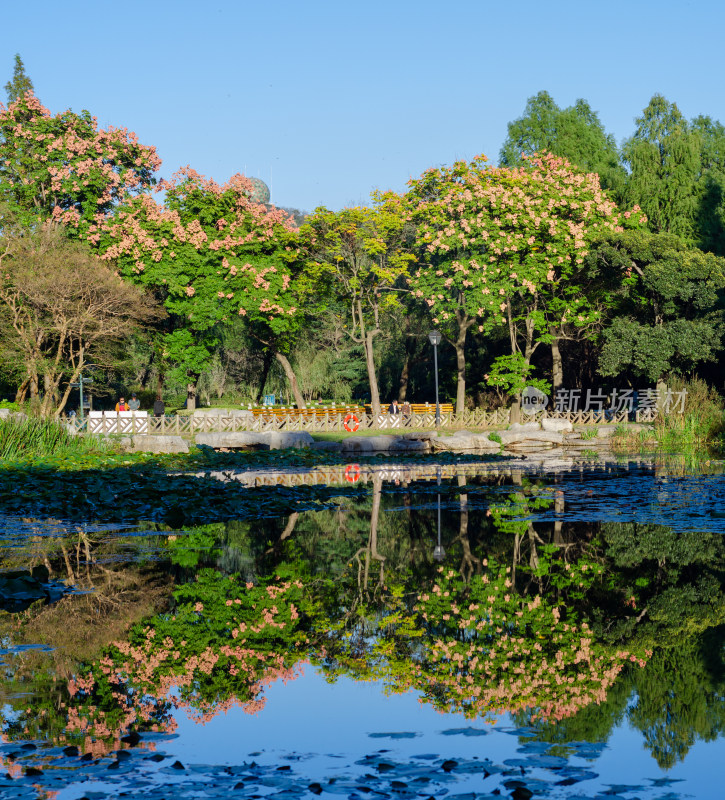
529, 437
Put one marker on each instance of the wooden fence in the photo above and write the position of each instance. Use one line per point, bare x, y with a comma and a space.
129, 423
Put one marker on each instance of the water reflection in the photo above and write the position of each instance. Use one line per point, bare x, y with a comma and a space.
572, 625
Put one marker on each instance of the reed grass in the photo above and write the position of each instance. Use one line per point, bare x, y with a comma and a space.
37, 438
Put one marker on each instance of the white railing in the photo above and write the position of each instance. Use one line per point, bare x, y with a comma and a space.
139, 422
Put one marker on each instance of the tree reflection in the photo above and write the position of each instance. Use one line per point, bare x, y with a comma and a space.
554, 622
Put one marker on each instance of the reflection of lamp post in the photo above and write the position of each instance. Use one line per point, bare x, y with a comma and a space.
435, 338
438, 552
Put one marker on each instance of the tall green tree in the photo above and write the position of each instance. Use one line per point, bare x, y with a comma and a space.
575, 133
356, 260
20, 82
664, 160
209, 253
669, 316
710, 186
500, 246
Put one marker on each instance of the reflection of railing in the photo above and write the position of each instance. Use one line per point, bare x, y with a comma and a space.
138, 422
398, 474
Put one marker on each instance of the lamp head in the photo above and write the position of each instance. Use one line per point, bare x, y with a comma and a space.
435, 338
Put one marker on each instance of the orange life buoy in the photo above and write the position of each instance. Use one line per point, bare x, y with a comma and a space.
352, 473
351, 423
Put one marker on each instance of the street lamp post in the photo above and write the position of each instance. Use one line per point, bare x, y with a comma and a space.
435, 338
79, 386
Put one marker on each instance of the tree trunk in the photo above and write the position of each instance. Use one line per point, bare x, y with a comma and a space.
372, 376
557, 366
191, 394
464, 323
461, 370
22, 391
268, 356
292, 378
404, 376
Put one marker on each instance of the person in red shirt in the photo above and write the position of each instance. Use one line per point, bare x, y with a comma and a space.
122, 405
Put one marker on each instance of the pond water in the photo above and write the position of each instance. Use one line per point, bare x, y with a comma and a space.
459, 629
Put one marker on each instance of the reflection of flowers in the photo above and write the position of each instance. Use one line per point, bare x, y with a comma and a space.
505, 652
222, 646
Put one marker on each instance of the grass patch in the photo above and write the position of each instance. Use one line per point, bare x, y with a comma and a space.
37, 439
702, 424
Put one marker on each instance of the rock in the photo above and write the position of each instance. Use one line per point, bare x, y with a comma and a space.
465, 440
524, 426
530, 438
405, 445
237, 440
244, 440
9, 414
334, 447
279, 440
557, 425
605, 431
154, 443
368, 444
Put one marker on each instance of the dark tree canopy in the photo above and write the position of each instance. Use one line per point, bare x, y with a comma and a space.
669, 316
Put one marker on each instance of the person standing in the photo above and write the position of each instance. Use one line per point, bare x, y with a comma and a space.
159, 407
122, 405
134, 403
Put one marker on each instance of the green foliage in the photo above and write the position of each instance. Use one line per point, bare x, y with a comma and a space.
20, 83
702, 423
64, 168
669, 313
512, 374
575, 133
23, 440
663, 156
212, 255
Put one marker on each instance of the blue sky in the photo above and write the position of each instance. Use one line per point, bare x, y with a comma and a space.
326, 101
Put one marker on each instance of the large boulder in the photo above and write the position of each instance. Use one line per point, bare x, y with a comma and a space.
518, 427
556, 425
154, 443
368, 444
406, 445
249, 440
465, 440
530, 438
9, 414
279, 440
